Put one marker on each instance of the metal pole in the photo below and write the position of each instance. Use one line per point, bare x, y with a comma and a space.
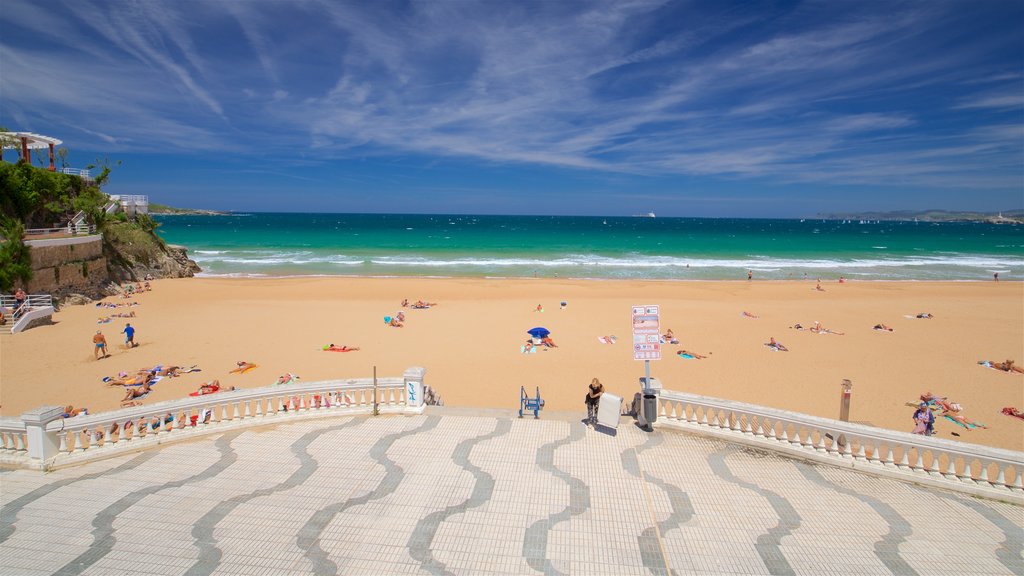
844, 405
647, 374
376, 408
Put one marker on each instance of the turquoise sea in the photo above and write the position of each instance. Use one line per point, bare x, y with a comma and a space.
272, 244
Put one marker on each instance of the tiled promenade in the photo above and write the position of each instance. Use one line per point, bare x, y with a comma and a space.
456, 494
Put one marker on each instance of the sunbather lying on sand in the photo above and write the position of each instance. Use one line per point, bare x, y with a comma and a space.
1011, 411
797, 326
133, 393
70, 411
209, 388
333, 348
925, 315
144, 377
547, 341
749, 315
819, 329
1005, 366
960, 419
286, 379
776, 345
243, 367
422, 304
882, 327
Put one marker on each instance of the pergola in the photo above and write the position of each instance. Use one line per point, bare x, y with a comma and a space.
29, 141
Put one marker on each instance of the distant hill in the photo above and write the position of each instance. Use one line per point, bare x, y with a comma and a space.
1004, 217
170, 210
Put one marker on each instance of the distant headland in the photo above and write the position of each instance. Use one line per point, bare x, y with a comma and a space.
172, 211
1004, 217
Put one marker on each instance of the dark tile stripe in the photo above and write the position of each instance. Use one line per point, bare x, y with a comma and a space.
768, 545
308, 538
423, 535
202, 531
888, 548
9, 512
535, 543
1010, 550
103, 523
682, 508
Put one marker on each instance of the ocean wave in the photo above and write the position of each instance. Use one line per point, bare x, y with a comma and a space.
760, 263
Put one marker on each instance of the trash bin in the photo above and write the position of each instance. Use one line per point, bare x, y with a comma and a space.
650, 408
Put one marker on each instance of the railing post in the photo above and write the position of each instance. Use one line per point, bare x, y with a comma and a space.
41, 445
414, 386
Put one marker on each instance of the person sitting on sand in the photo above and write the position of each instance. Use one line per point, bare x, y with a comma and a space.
776, 345
394, 322
405, 302
547, 341
342, 348
539, 308
669, 337
528, 347
242, 367
881, 327
688, 354
924, 315
400, 316
818, 287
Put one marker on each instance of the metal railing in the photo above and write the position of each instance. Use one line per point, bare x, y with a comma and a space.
921, 459
69, 230
81, 172
32, 301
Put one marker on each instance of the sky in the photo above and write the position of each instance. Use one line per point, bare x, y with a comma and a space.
716, 108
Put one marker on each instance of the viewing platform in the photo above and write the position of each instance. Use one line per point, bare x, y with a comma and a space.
326, 487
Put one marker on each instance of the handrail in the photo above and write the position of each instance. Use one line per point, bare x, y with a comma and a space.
70, 230
82, 172
947, 462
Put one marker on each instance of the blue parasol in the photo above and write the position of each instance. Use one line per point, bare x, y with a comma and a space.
538, 332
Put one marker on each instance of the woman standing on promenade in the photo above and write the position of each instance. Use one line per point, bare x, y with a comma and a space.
592, 400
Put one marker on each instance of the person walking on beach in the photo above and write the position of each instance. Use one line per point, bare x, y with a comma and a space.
750, 274
593, 399
996, 276
101, 345
129, 335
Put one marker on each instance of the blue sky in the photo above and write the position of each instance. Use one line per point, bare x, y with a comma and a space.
603, 108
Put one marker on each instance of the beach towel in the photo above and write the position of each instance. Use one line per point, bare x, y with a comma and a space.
523, 350
244, 370
775, 348
967, 425
685, 356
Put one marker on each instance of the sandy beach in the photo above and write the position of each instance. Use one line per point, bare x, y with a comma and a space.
470, 343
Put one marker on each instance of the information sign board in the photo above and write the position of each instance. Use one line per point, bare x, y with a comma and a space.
646, 332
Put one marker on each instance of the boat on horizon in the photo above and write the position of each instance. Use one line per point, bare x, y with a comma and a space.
647, 215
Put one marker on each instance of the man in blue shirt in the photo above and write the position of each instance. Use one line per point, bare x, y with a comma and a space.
129, 335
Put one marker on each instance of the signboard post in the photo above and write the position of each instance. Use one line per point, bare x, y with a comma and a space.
646, 337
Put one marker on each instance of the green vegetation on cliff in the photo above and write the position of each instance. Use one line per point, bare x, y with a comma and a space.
33, 197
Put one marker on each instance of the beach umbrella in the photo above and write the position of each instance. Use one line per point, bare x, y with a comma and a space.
538, 332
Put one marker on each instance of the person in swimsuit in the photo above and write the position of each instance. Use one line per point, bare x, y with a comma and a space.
100, 343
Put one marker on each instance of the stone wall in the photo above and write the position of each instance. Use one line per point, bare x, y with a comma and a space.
67, 267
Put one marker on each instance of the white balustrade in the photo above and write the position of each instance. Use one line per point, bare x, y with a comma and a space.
87, 437
934, 461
